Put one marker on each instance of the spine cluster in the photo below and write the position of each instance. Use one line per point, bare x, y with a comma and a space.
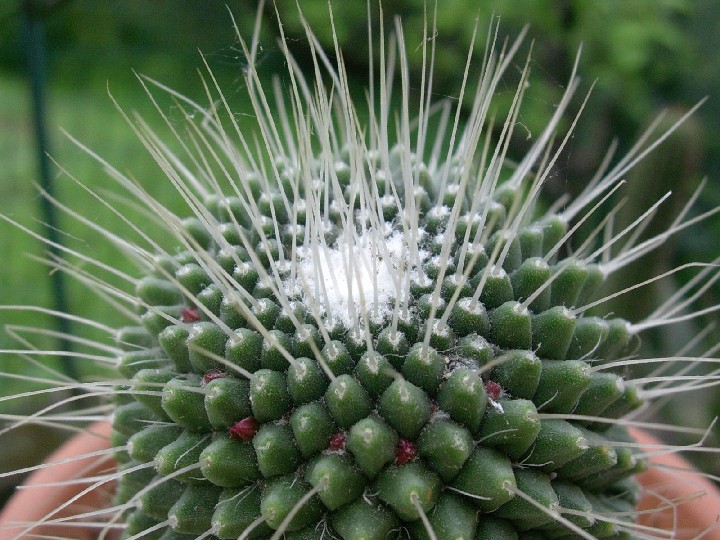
479, 386
374, 329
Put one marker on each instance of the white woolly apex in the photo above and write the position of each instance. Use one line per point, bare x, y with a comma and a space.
349, 280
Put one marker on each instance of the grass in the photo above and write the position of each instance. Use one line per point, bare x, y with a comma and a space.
87, 113
91, 117
24, 281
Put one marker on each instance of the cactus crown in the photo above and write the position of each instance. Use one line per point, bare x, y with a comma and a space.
368, 333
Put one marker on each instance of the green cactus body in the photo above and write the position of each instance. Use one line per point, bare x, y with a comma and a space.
368, 336
314, 423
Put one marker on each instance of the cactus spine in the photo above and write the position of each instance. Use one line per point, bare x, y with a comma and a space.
369, 332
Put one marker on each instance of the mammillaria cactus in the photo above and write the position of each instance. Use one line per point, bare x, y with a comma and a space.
371, 332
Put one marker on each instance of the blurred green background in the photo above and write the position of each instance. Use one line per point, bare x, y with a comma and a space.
646, 55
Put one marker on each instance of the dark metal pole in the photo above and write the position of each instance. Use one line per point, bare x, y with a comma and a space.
35, 50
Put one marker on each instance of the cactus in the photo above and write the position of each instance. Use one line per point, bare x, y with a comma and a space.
367, 332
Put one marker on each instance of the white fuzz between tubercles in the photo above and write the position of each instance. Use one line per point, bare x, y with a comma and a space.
348, 194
